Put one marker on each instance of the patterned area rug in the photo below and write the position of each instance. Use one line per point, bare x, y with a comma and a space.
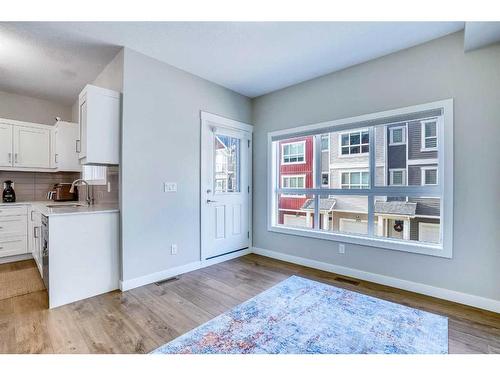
302, 316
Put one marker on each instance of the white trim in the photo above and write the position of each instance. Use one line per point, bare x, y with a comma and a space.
283, 176
360, 171
429, 290
444, 190
391, 130
179, 270
391, 176
422, 161
361, 144
15, 258
422, 175
423, 137
283, 162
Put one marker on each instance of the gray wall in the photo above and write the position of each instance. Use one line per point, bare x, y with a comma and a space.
26, 108
433, 71
161, 143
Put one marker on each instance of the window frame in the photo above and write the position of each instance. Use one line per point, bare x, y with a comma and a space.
391, 141
361, 144
423, 137
328, 174
391, 176
443, 190
328, 137
360, 171
422, 175
293, 176
293, 162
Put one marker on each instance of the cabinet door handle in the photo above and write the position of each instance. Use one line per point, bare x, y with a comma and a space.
77, 146
35, 232
31, 215
10, 157
55, 158
15, 157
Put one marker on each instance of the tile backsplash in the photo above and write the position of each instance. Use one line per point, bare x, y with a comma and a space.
33, 186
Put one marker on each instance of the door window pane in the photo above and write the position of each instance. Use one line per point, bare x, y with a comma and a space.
227, 164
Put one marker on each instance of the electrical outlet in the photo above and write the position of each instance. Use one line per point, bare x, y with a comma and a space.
341, 248
170, 187
173, 249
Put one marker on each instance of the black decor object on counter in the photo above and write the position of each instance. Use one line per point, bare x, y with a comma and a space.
9, 195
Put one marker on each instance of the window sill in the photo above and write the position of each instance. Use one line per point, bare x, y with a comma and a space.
383, 243
428, 149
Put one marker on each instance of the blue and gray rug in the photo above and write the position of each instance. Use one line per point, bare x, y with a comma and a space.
302, 316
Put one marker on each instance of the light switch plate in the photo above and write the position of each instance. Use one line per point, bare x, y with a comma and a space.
341, 248
170, 187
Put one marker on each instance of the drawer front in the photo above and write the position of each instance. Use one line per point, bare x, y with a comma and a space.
13, 211
13, 226
13, 246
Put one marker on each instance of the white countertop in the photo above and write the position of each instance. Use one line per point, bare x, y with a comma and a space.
63, 210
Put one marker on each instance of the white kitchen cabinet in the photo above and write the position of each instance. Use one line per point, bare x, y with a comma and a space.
99, 122
65, 158
13, 228
31, 147
5, 145
34, 237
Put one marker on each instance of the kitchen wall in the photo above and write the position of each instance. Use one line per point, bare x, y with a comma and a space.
161, 142
433, 71
25, 108
33, 186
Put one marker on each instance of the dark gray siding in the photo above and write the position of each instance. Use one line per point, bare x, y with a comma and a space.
414, 226
415, 142
396, 155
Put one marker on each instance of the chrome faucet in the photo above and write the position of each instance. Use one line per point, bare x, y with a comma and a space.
79, 182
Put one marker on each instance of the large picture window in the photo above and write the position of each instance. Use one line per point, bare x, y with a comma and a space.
382, 198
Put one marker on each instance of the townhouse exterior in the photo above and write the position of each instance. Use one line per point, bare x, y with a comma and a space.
405, 154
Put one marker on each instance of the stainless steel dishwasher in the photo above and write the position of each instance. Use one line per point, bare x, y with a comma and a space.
45, 250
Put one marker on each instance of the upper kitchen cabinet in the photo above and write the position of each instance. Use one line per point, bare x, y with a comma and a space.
99, 120
5, 145
31, 147
64, 155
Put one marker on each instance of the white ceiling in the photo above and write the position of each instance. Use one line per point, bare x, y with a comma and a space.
55, 60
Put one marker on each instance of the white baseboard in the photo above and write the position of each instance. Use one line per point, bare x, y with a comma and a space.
446, 294
175, 271
15, 258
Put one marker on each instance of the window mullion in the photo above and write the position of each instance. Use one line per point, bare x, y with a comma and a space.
371, 204
317, 178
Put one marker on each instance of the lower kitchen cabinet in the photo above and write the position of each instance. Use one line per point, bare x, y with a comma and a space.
13, 230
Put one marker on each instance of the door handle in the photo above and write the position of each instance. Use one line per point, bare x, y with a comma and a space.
77, 146
210, 201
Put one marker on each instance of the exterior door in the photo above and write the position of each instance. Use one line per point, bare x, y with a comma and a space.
225, 186
5, 145
31, 147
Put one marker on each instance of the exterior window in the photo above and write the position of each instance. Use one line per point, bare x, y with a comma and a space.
355, 143
390, 197
325, 142
429, 135
355, 180
397, 177
397, 136
325, 179
294, 153
429, 175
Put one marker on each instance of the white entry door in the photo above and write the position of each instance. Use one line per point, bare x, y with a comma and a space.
226, 165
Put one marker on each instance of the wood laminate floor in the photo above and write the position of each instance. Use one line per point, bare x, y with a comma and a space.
142, 319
